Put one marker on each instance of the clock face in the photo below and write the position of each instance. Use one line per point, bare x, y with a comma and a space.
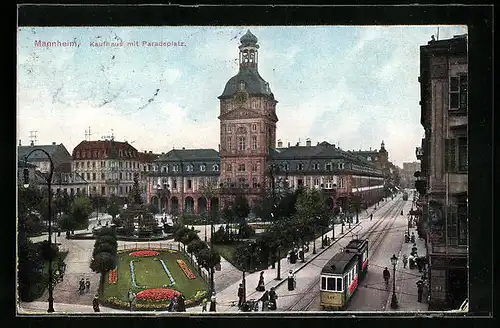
241, 97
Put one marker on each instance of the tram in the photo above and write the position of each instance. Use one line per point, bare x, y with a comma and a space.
405, 195
342, 274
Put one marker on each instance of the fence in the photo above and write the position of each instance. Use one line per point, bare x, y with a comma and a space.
202, 272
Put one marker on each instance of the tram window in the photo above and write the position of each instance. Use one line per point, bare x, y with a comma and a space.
331, 284
339, 284
323, 282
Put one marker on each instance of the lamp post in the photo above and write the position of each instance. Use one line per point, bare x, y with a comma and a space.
333, 227
394, 300
49, 185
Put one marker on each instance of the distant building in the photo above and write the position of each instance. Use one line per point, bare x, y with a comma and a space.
443, 186
407, 174
108, 165
61, 158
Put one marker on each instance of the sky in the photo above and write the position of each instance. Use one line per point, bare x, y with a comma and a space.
352, 86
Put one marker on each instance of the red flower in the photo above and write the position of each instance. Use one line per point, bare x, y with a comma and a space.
157, 294
113, 277
144, 253
186, 270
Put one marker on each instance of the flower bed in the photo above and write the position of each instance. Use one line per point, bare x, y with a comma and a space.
186, 270
157, 294
113, 276
172, 281
144, 253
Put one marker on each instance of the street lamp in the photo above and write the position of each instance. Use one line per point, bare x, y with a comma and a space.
49, 252
394, 300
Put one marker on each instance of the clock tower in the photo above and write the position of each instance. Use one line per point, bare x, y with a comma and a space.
247, 126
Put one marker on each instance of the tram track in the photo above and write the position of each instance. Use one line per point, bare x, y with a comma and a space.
310, 294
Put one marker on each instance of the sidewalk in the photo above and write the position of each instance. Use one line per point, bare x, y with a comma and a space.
36, 307
406, 279
227, 298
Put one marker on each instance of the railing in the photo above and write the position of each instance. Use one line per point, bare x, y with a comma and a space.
202, 272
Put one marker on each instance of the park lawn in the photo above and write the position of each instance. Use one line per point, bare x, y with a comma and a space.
155, 277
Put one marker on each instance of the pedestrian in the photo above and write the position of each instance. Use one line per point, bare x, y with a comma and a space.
301, 254
419, 264
87, 285
181, 304
414, 250
411, 261
81, 288
241, 295
174, 304
420, 289
213, 302
405, 260
371, 216
261, 286
265, 300
291, 280
95, 303
272, 299
204, 305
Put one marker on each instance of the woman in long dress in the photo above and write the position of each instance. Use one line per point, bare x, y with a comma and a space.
261, 286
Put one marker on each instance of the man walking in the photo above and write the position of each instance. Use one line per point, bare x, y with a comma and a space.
420, 289
212, 303
371, 216
95, 303
87, 285
241, 295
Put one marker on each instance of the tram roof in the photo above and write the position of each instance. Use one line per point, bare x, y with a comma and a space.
338, 263
357, 243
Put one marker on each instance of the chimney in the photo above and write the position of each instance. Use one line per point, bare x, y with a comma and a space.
370, 148
288, 144
333, 145
19, 142
53, 143
308, 142
183, 148
280, 143
32, 143
150, 152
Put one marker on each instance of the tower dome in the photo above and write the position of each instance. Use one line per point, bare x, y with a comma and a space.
248, 39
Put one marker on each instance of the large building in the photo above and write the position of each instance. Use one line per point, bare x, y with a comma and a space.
443, 188
189, 180
108, 165
61, 158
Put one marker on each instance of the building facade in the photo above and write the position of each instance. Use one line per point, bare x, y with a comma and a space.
443, 184
108, 166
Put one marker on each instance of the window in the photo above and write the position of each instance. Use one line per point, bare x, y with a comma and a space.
228, 128
286, 167
331, 283
458, 92
103, 191
328, 166
300, 167
228, 143
369, 159
121, 175
229, 167
88, 176
315, 166
242, 143
77, 164
254, 167
175, 168
189, 168
457, 224
88, 165
93, 176
121, 190
174, 184
215, 167
242, 83
300, 182
83, 154
103, 176
323, 282
77, 155
254, 142
339, 284
254, 126
254, 182
316, 182
241, 167
203, 168
456, 155
189, 184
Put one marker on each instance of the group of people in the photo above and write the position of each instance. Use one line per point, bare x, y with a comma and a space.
84, 286
177, 304
212, 304
268, 298
295, 254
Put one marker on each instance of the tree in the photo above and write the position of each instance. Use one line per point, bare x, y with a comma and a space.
355, 205
113, 209
103, 263
195, 246
311, 213
189, 237
240, 208
153, 208
248, 255
30, 265
81, 210
67, 223
209, 259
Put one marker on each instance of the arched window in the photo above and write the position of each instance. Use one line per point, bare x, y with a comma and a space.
189, 168
215, 168
242, 83
203, 167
